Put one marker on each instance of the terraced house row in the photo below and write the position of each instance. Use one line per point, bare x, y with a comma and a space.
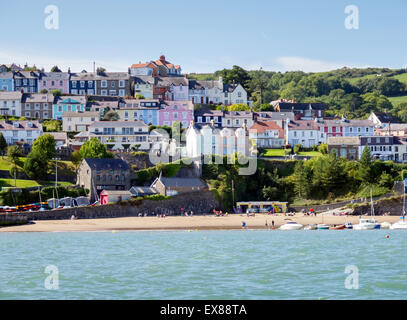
158, 79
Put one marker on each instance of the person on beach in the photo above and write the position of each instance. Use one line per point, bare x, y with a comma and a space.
272, 224
244, 225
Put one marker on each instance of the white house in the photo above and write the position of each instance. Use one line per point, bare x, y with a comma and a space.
78, 121
10, 103
304, 132
267, 134
118, 134
209, 140
235, 119
233, 94
20, 131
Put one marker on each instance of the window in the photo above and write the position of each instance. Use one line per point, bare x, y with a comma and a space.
82, 84
73, 84
122, 92
121, 83
103, 84
45, 106
27, 106
90, 84
112, 84
103, 92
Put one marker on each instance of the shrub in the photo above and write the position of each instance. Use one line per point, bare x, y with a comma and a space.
297, 148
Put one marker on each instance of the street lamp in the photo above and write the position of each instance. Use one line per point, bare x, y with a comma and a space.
56, 170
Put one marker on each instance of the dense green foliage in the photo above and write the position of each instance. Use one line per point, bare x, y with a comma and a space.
350, 92
322, 178
94, 149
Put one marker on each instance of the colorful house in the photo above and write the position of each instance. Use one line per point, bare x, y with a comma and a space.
26, 81
68, 104
54, 81
143, 85
143, 110
6, 81
183, 111
144, 69
82, 83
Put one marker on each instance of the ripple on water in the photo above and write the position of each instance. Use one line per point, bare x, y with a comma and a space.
204, 265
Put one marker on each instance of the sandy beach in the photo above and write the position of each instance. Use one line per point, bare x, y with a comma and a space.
210, 222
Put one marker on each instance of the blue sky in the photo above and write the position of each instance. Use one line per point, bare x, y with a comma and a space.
207, 35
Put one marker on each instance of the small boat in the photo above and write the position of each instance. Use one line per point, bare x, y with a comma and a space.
368, 224
340, 227
348, 225
323, 226
291, 226
311, 227
385, 225
402, 224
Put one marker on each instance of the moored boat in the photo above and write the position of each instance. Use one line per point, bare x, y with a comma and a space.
323, 226
385, 225
340, 227
292, 225
348, 225
311, 227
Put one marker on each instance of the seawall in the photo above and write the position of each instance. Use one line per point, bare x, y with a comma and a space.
10, 219
198, 202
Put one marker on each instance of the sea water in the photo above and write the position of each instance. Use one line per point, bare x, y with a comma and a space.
240, 264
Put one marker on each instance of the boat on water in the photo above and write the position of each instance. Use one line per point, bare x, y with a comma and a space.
368, 223
402, 224
292, 225
348, 225
323, 226
340, 227
385, 225
311, 227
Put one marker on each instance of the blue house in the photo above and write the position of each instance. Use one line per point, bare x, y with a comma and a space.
82, 83
6, 81
26, 81
68, 104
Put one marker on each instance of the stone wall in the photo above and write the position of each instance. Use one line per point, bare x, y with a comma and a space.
200, 203
393, 205
8, 219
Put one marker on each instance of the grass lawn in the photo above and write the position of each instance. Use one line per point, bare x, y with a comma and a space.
397, 100
273, 153
30, 183
401, 77
280, 153
64, 167
310, 154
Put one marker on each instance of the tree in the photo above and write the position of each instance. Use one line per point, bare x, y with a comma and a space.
139, 96
52, 125
35, 164
238, 107
44, 91
94, 149
111, 116
323, 148
13, 156
76, 159
234, 75
55, 69
45, 145
3, 144
365, 166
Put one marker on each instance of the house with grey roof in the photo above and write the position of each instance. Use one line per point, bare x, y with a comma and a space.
103, 174
10, 103
113, 84
37, 105
174, 186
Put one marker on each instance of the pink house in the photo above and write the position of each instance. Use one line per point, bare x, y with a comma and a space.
183, 111
54, 81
